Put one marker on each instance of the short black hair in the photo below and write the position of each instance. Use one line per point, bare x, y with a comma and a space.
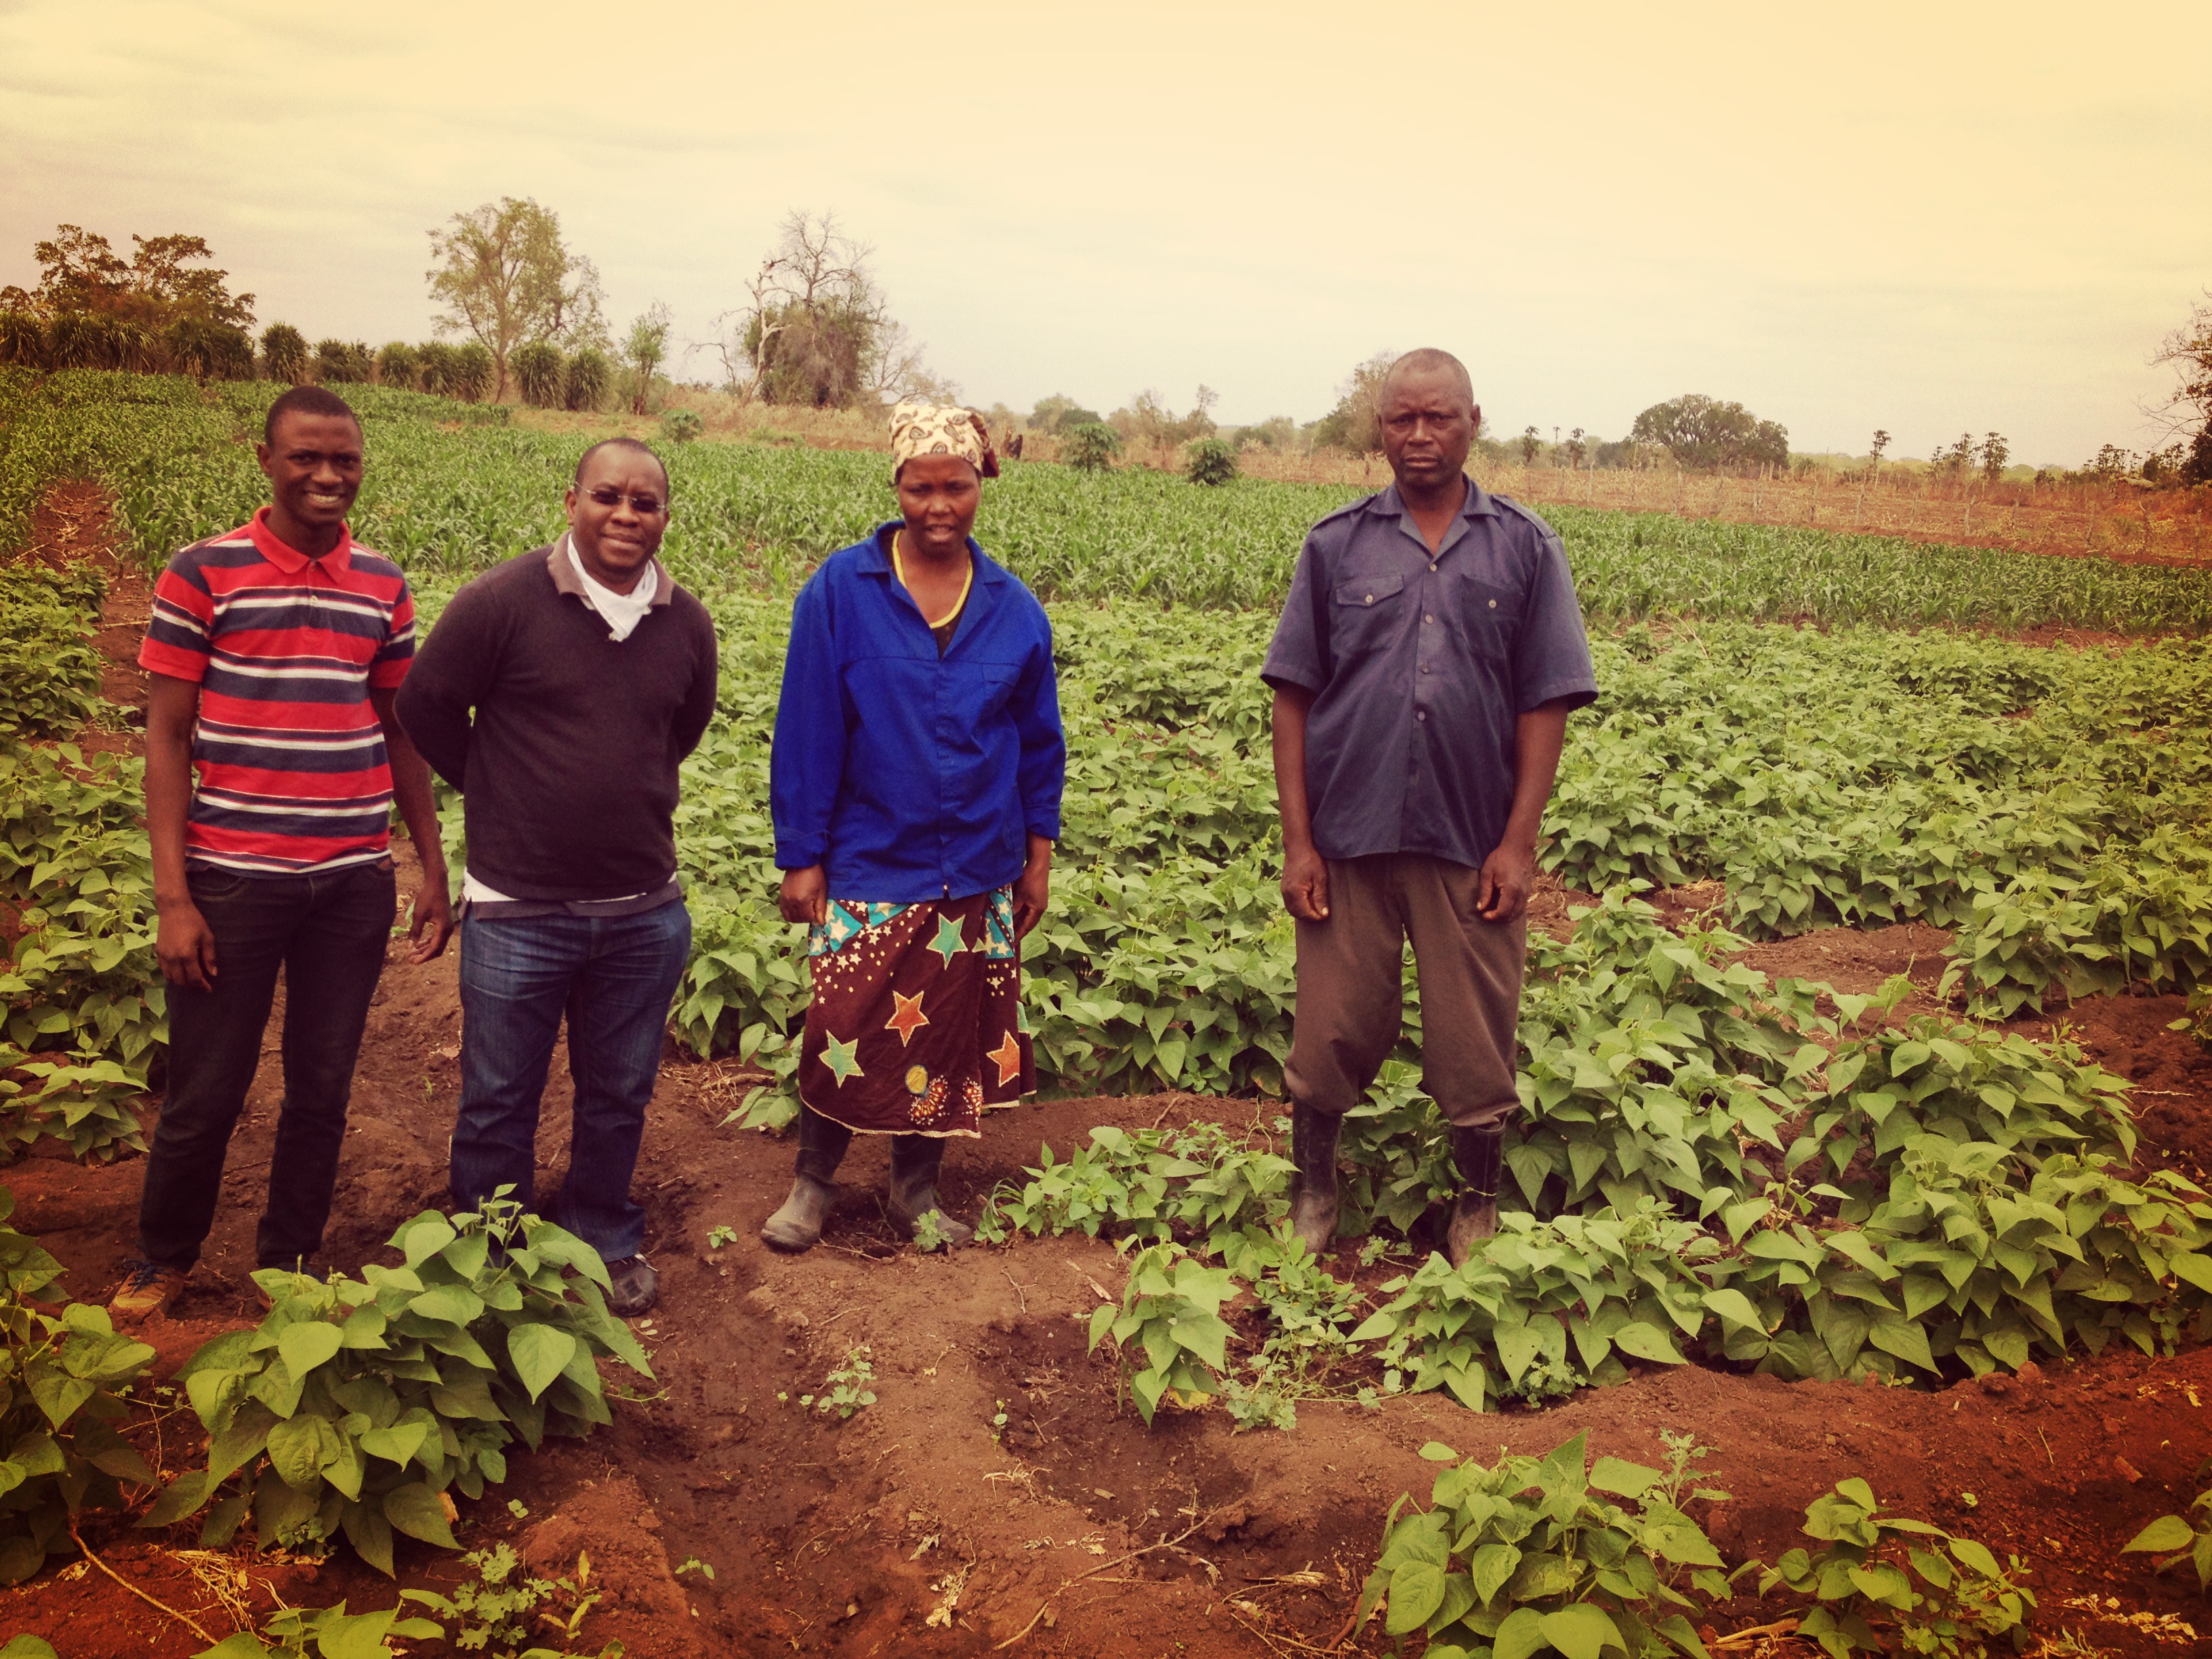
638, 444
306, 400
1431, 359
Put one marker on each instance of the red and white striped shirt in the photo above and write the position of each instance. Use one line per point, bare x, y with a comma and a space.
285, 649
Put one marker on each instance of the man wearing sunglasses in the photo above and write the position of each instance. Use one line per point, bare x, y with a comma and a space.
559, 693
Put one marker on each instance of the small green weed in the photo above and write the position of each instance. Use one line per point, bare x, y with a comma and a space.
846, 1390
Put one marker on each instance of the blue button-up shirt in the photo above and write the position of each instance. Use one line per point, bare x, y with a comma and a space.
1421, 664
911, 775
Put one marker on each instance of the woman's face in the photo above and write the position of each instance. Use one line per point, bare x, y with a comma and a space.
938, 496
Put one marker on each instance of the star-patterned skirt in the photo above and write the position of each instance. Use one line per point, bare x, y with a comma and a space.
916, 1023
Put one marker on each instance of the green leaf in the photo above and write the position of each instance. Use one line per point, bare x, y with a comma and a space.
27, 1646
540, 1353
1492, 1567
2167, 1534
299, 1447
1625, 1480
424, 1239
1736, 1309
1517, 1345
1580, 1631
1417, 1589
1519, 1636
308, 1345
416, 1511
1647, 1341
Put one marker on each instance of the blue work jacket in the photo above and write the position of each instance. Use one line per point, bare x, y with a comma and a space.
907, 774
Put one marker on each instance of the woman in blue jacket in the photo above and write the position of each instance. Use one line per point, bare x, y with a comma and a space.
916, 787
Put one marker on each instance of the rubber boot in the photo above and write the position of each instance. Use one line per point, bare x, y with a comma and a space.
1313, 1199
915, 1160
1477, 1154
821, 1142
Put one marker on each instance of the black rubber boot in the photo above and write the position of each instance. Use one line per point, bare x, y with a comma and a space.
1313, 1198
915, 1160
1477, 1154
821, 1142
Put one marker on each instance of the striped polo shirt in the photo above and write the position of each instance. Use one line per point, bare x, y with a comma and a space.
285, 649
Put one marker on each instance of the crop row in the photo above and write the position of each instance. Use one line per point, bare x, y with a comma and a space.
452, 488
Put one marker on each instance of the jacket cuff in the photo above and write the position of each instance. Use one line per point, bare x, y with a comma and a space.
792, 853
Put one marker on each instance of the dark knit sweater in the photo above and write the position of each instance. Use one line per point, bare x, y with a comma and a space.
567, 770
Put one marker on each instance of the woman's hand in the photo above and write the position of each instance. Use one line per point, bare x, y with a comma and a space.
1033, 889
804, 898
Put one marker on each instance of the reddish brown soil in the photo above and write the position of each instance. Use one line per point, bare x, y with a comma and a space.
845, 1538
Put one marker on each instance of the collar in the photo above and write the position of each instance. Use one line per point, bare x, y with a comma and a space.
289, 558
878, 560
1478, 504
565, 579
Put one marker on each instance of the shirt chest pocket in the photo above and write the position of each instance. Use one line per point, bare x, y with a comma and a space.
1488, 617
1367, 614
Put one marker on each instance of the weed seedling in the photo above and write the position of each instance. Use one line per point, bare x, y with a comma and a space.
846, 1390
718, 1236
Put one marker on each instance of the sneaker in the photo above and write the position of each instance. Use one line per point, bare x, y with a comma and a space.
633, 1286
148, 1288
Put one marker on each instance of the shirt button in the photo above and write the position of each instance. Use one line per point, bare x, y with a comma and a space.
1493, 604
1432, 567
1429, 618
1425, 668
1371, 598
1420, 714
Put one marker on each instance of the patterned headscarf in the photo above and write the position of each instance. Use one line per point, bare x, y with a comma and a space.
932, 429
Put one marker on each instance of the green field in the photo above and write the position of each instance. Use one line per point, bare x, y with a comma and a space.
1693, 1125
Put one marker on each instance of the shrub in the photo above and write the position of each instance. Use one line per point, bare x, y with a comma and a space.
61, 1382
284, 353
589, 373
1092, 446
680, 426
338, 364
472, 373
538, 370
358, 1403
435, 367
1211, 461
1530, 1557
397, 365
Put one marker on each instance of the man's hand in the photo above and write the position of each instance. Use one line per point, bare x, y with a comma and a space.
1305, 884
1033, 887
185, 944
805, 896
1508, 875
433, 922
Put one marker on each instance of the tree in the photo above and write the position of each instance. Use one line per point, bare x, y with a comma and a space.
1705, 434
2188, 411
1353, 424
505, 277
284, 350
1577, 447
1530, 443
1993, 454
1060, 414
1092, 446
1210, 461
1148, 421
815, 328
645, 350
80, 275
1879, 442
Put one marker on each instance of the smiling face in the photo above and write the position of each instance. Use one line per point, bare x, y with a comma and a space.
1429, 424
938, 496
313, 464
617, 513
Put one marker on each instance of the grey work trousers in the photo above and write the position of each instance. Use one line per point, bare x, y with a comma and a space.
1350, 977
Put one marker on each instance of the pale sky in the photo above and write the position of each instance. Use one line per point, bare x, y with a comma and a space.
1928, 217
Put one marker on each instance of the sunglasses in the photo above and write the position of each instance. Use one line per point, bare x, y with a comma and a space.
647, 506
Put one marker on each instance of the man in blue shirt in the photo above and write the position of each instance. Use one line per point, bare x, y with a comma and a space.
1423, 670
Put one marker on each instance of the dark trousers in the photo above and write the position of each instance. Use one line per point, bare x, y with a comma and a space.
1352, 988
614, 977
328, 933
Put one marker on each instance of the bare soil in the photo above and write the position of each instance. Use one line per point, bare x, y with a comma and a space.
926, 1525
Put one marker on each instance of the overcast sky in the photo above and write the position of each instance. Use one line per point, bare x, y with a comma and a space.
1927, 217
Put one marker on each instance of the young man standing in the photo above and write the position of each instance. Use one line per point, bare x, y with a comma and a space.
275, 652
1423, 670
560, 693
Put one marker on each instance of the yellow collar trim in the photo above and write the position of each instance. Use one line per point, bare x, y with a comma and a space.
967, 581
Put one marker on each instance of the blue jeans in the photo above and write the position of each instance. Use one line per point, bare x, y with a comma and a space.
614, 977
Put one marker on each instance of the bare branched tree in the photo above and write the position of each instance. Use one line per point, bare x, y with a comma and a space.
815, 327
